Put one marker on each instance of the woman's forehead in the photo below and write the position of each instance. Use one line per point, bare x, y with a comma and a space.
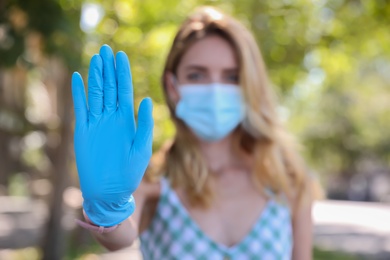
211, 51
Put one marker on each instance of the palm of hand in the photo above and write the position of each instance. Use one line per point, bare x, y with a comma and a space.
111, 153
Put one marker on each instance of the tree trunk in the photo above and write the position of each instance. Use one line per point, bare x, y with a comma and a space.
55, 241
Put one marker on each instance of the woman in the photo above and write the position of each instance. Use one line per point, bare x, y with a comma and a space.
230, 186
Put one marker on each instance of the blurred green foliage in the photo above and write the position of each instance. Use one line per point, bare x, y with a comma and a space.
56, 21
319, 254
328, 61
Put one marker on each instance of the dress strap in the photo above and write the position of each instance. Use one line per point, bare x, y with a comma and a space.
166, 190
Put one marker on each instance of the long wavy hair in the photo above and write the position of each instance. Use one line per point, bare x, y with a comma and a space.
277, 163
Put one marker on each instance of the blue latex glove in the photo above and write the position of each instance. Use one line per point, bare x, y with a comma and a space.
111, 152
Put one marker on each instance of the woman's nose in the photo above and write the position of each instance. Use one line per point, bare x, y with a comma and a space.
216, 78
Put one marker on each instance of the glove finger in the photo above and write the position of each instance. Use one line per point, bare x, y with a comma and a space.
79, 100
95, 86
125, 87
109, 78
144, 135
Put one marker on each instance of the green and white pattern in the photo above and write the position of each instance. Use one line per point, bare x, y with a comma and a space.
172, 234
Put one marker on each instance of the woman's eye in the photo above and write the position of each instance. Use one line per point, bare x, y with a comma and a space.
194, 76
233, 78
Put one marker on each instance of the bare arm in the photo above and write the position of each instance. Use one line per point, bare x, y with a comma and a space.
302, 233
121, 237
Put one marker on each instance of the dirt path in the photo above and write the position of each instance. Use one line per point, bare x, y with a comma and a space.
357, 228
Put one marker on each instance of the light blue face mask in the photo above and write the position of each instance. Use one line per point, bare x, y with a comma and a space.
212, 111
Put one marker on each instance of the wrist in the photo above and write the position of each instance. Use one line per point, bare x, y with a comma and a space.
88, 224
109, 212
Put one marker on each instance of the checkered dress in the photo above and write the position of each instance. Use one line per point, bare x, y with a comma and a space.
172, 234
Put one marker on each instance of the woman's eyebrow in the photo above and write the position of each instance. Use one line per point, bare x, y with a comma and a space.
231, 70
195, 67
203, 68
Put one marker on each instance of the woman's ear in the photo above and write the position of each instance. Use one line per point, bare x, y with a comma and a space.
171, 85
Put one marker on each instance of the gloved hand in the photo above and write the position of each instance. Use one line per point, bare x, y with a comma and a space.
111, 152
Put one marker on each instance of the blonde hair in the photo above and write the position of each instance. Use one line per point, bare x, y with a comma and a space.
277, 164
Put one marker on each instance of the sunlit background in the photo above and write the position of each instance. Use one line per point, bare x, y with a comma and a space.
329, 61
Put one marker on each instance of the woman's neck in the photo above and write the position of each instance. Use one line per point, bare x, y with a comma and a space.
222, 155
